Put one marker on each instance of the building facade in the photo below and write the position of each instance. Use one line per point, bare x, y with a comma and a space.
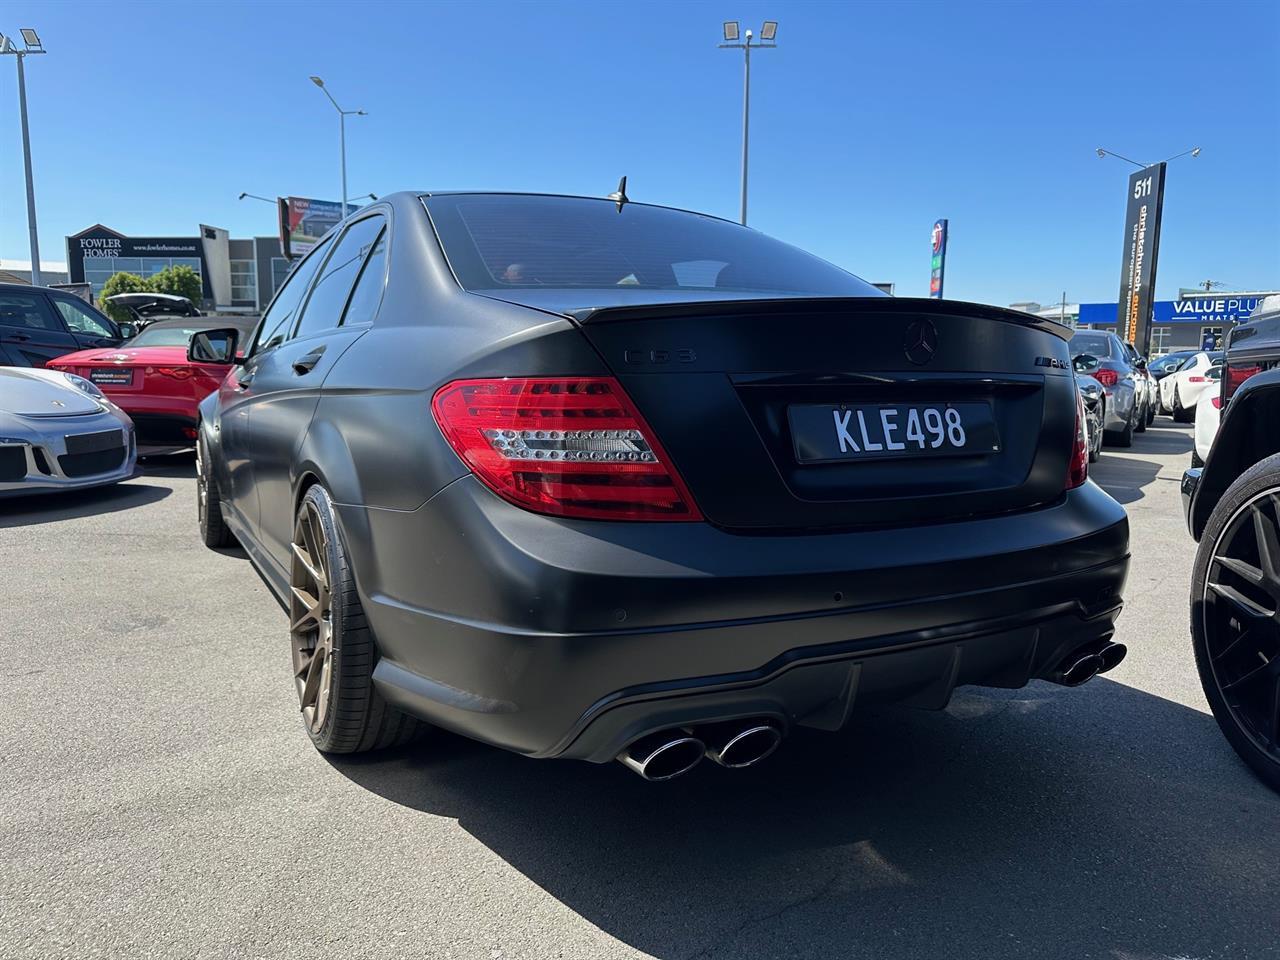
1191, 322
238, 275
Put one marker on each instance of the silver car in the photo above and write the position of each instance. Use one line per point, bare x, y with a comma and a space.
58, 432
1113, 369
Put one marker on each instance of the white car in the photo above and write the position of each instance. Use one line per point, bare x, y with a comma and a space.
58, 432
1180, 390
1208, 413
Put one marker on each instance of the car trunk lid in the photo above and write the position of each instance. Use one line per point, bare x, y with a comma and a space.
735, 389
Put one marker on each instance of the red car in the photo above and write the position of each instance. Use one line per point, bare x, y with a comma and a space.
151, 379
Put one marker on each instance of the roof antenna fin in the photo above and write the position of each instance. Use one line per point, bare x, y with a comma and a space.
620, 195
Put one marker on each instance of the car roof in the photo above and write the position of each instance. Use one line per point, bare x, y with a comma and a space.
424, 194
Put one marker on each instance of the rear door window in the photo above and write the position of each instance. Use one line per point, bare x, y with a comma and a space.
332, 289
367, 295
277, 321
28, 311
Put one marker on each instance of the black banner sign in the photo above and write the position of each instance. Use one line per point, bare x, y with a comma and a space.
1138, 262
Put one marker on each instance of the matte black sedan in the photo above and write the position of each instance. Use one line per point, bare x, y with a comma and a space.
595, 479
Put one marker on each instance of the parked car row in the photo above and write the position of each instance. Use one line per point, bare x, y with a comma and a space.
54, 395
1128, 402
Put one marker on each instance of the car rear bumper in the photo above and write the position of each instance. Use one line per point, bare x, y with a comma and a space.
1120, 403
563, 638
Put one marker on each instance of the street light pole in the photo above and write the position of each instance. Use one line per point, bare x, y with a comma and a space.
767, 34
342, 134
746, 119
31, 44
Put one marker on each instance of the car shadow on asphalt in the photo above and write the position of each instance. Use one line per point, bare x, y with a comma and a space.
1097, 822
1126, 477
74, 504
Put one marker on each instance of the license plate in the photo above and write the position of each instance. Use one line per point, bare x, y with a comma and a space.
824, 432
114, 376
95, 442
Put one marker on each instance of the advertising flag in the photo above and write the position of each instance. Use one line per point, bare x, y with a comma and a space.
1138, 259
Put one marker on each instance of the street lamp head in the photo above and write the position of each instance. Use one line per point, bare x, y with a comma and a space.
317, 81
361, 113
748, 36
31, 39
242, 196
1195, 152
730, 31
769, 30
1101, 152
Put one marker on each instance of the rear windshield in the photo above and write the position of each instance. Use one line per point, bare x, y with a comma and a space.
166, 336
504, 242
1094, 344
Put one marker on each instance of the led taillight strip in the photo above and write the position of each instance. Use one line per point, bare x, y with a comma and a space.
572, 446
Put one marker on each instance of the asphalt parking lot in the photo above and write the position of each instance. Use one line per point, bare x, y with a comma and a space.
158, 797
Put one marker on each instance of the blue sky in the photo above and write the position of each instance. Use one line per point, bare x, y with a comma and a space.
869, 120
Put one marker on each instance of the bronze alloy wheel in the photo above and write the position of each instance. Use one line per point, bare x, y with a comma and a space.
202, 484
1240, 613
310, 617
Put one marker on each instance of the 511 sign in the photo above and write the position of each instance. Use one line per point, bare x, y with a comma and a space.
1138, 259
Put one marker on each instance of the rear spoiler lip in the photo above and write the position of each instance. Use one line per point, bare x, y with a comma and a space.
915, 306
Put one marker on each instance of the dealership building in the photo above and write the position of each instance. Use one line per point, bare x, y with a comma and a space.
1182, 324
239, 275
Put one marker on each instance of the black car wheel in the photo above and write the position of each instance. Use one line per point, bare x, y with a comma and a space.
1180, 413
1235, 596
1151, 412
1141, 421
333, 649
213, 529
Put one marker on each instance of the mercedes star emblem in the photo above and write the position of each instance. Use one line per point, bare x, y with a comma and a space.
921, 341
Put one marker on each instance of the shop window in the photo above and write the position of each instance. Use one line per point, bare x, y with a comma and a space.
1215, 332
1161, 338
244, 280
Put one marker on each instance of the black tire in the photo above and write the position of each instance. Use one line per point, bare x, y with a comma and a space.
355, 717
213, 528
1210, 636
1151, 412
1140, 426
1180, 413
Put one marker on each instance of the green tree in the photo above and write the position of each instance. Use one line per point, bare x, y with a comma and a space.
121, 283
179, 280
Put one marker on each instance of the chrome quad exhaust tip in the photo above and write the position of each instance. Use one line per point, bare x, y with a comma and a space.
664, 755
739, 743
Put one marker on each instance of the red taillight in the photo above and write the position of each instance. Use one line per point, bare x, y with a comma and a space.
1233, 376
177, 373
1217, 402
1108, 378
568, 446
1078, 468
